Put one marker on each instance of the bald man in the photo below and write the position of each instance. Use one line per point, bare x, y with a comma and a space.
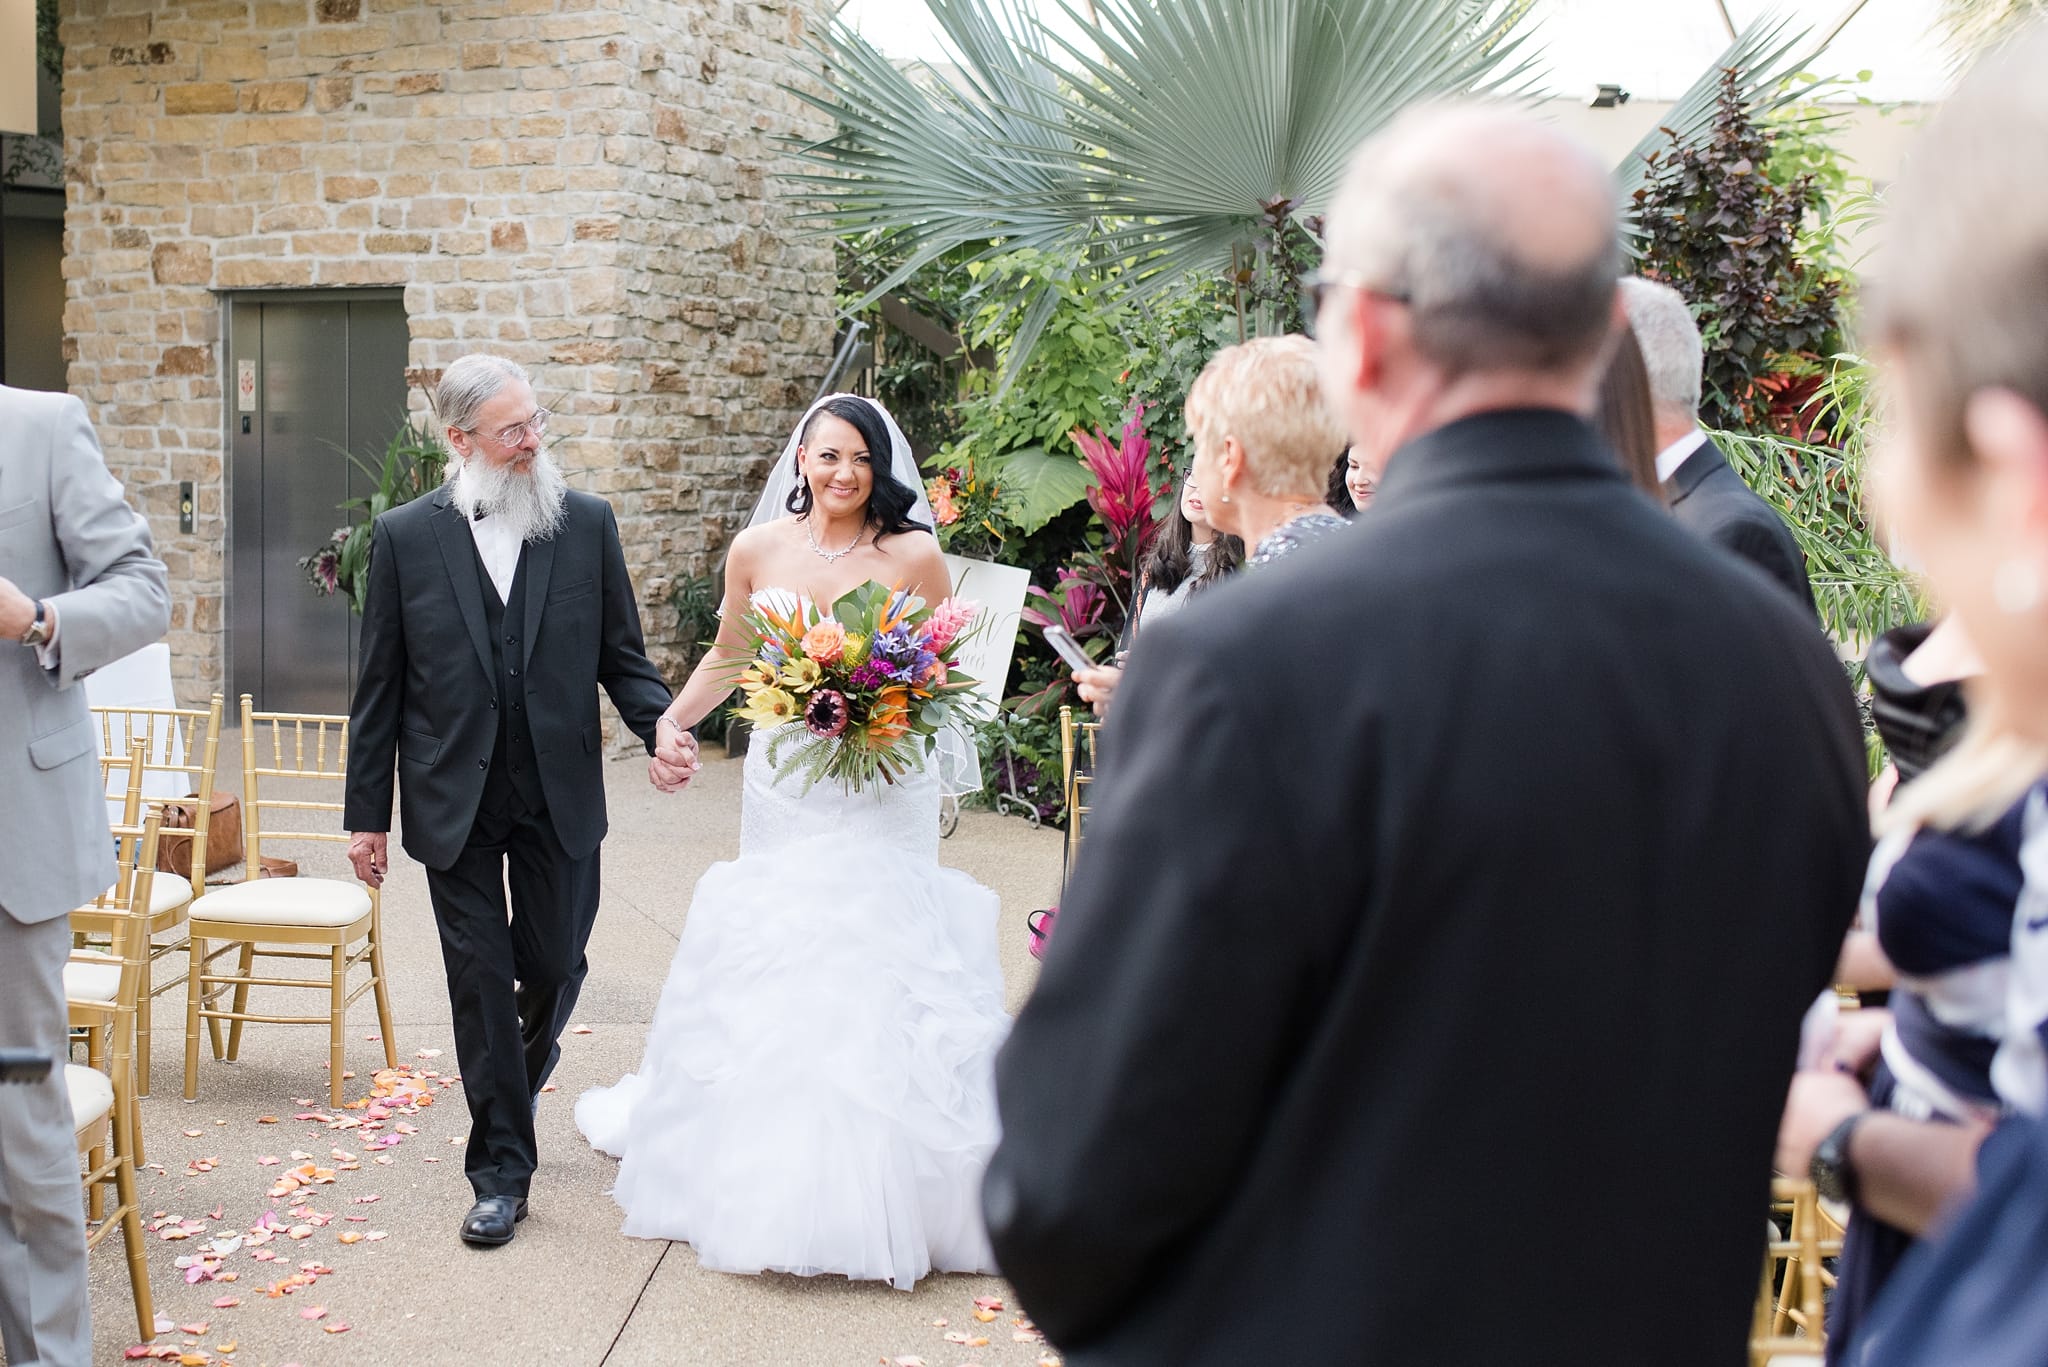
1453, 889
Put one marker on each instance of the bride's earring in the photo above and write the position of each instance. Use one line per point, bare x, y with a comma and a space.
2016, 586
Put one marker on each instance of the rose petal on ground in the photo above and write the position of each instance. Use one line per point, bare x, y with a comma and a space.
428, 1053
374, 1235
579, 1030
195, 1330
313, 1312
348, 1237
334, 1328
988, 1302
227, 1303
266, 1120
227, 1347
193, 1134
985, 1316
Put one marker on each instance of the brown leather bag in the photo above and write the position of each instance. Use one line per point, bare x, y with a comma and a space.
223, 835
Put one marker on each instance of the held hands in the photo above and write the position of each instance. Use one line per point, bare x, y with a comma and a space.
370, 853
1098, 685
675, 760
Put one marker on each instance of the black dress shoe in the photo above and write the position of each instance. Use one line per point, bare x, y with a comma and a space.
489, 1222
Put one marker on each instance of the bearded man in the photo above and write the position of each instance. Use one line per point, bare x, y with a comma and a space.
497, 606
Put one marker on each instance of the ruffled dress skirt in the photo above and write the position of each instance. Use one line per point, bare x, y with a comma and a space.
817, 1092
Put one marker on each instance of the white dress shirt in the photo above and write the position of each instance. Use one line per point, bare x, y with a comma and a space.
1673, 456
498, 543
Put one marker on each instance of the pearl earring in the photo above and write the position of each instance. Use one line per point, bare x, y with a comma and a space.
1223, 498
2016, 586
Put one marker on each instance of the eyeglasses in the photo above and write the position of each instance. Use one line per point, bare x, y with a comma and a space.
515, 435
1316, 288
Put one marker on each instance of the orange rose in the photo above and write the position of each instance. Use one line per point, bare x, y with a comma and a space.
889, 721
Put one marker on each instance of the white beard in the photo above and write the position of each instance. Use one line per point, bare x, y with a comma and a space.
536, 503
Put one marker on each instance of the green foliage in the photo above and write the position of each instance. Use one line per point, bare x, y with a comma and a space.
696, 599
1072, 376
413, 463
1043, 485
1718, 228
1819, 491
1170, 342
49, 52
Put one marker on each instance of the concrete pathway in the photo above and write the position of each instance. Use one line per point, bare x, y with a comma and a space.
571, 1289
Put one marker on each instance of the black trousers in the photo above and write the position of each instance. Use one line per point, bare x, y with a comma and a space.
512, 980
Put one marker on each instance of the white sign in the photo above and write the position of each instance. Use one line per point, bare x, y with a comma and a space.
245, 386
18, 67
999, 589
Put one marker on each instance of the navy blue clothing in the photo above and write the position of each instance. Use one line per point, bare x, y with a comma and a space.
1978, 1293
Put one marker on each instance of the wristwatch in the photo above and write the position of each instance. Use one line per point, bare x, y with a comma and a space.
38, 632
1832, 1174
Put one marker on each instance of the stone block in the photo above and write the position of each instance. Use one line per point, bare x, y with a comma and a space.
508, 237
185, 360
597, 229
234, 63
182, 263
203, 97
384, 244
332, 92
292, 218
337, 11
131, 239
420, 83
246, 273
340, 188
273, 97
477, 56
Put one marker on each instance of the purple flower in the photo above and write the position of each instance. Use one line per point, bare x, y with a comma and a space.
896, 647
872, 674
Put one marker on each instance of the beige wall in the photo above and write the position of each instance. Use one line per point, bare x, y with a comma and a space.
588, 190
18, 66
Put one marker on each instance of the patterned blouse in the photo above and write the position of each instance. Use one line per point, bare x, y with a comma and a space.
1294, 534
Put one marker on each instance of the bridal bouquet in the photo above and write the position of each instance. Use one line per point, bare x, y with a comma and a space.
871, 679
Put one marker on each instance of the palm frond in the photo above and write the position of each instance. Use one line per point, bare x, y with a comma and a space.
1164, 134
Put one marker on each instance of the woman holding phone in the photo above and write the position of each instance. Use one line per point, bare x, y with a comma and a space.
1188, 555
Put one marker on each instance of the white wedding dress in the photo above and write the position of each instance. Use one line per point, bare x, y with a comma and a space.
817, 1090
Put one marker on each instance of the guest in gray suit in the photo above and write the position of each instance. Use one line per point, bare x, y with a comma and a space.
79, 588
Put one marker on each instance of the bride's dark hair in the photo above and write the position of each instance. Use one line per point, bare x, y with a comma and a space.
890, 500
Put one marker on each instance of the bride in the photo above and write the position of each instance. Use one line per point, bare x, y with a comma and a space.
816, 1093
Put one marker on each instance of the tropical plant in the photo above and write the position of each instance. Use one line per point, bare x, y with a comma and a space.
1168, 141
970, 507
1715, 226
1975, 26
413, 463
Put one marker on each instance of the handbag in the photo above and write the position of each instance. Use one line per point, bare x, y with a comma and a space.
223, 834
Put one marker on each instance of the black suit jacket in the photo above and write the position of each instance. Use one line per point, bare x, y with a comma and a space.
426, 693
1708, 497
1451, 899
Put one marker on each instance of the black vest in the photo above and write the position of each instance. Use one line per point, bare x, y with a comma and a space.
512, 767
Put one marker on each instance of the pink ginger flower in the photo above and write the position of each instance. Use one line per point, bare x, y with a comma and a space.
1121, 493
947, 621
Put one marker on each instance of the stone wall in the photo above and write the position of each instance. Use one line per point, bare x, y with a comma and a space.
587, 186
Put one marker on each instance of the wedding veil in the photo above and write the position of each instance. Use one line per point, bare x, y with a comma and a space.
955, 760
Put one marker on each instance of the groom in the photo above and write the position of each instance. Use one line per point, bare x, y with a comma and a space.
496, 607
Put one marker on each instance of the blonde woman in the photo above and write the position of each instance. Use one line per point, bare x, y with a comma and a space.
1263, 441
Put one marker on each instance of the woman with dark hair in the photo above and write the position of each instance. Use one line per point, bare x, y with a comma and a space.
1352, 484
1188, 555
1623, 415
815, 1095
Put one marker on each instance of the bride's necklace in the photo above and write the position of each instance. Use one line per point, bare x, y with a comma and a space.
832, 557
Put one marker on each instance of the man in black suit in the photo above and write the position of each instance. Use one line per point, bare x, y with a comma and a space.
1454, 889
497, 606
1703, 489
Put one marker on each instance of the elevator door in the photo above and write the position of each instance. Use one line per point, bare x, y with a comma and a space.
329, 376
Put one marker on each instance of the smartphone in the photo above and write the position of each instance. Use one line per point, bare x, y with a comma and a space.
1067, 648
23, 1065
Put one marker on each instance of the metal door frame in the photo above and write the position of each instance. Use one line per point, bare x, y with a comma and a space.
228, 299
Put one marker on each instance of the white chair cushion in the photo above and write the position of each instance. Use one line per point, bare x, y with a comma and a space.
167, 892
92, 1096
286, 902
92, 979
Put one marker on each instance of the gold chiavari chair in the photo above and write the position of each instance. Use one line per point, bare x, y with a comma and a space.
103, 1105
1791, 1314
92, 975
1077, 774
329, 920
185, 744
